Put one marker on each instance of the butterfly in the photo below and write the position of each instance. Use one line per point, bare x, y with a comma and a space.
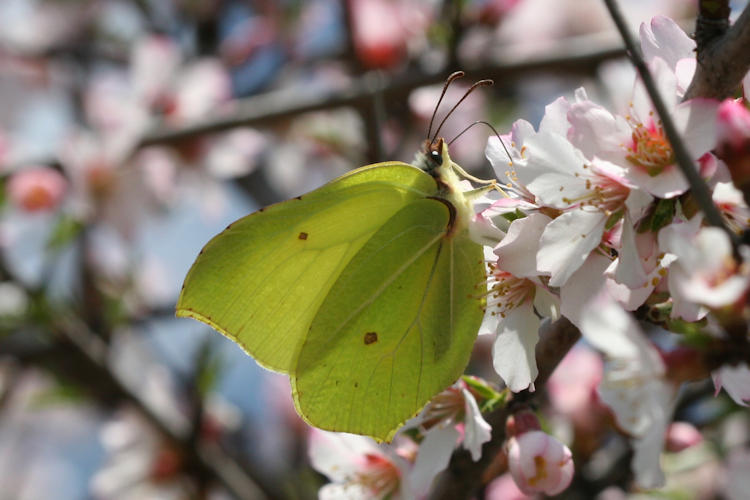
367, 292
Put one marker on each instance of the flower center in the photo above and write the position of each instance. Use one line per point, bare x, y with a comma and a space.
650, 148
507, 291
602, 193
541, 471
379, 475
446, 406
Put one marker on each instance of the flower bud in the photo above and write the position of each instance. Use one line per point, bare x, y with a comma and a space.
681, 435
539, 463
733, 145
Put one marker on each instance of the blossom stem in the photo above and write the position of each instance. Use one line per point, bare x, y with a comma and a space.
699, 189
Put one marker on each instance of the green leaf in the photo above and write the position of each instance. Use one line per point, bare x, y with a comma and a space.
660, 215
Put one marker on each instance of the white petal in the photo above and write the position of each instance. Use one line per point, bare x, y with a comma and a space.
736, 381
336, 454
476, 430
434, 454
567, 241
630, 270
665, 39
513, 353
648, 447
351, 491
670, 182
666, 83
613, 331
696, 121
582, 287
555, 119
684, 71
546, 303
597, 132
516, 254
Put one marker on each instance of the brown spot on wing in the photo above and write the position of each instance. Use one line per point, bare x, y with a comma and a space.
302, 236
371, 338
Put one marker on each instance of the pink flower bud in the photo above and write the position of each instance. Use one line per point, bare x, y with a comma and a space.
681, 435
539, 463
733, 145
37, 189
733, 123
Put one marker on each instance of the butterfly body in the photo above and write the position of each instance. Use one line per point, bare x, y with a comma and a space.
363, 291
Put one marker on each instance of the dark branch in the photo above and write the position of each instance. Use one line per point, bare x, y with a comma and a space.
723, 51
274, 106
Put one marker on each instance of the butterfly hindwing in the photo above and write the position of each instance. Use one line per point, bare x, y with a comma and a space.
396, 328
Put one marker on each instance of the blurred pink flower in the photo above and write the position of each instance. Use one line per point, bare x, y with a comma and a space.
680, 436
504, 488
379, 35
572, 386
733, 123
357, 467
37, 189
539, 463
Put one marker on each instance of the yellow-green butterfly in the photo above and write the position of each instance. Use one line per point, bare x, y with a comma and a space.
364, 291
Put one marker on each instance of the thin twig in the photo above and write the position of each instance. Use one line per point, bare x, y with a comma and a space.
686, 164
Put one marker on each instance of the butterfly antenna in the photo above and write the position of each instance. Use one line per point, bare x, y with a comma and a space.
493, 129
480, 83
453, 76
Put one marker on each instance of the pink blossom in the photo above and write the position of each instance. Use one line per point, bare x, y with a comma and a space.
733, 119
540, 463
504, 488
572, 386
382, 29
733, 123
681, 435
357, 467
37, 189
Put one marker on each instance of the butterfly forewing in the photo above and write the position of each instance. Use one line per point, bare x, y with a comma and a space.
262, 280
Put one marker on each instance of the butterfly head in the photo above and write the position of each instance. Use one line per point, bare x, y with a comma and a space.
433, 155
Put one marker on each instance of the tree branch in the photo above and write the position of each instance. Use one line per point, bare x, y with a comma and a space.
572, 55
723, 52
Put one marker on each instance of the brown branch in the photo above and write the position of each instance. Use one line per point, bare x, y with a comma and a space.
463, 478
723, 52
573, 56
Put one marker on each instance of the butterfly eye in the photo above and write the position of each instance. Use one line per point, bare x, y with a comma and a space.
436, 157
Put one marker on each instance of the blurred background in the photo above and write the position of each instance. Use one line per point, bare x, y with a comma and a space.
133, 131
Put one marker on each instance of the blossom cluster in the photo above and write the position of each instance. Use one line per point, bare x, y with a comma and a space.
596, 222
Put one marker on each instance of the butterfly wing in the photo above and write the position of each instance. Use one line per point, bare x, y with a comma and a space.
261, 281
395, 329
